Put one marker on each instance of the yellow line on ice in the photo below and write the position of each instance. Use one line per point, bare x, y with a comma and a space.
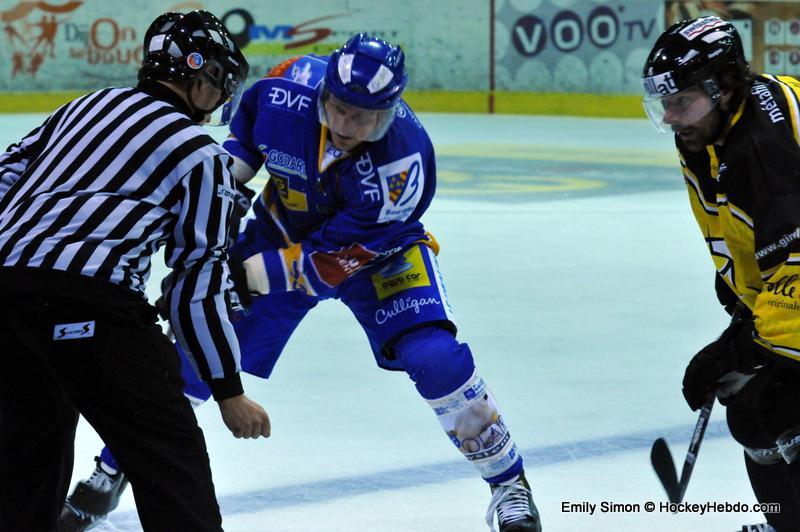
560, 153
464, 183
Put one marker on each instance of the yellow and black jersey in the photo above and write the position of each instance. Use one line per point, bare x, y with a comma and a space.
745, 194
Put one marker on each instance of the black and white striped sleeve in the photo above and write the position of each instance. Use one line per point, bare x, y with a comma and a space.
17, 156
197, 255
14, 161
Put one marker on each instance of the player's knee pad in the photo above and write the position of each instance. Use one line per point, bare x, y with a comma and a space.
772, 483
434, 360
471, 418
789, 445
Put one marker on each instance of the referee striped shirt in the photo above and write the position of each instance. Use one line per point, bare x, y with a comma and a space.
107, 180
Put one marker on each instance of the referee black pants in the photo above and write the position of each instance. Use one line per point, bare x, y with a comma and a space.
72, 345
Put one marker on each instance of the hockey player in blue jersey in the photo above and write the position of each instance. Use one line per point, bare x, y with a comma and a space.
351, 171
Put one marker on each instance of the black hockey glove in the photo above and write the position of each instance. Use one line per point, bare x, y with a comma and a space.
242, 204
734, 350
239, 293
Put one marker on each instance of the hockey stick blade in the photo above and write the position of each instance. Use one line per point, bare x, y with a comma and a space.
664, 467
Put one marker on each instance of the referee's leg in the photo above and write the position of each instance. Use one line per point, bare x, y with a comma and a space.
37, 426
126, 382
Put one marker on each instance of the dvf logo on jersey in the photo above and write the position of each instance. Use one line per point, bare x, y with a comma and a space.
402, 182
284, 98
195, 60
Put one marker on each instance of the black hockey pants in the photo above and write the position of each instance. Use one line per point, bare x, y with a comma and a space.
765, 408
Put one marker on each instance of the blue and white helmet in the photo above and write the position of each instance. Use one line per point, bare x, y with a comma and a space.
368, 73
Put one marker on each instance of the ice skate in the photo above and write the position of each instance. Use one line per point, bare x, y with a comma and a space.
92, 499
513, 503
761, 527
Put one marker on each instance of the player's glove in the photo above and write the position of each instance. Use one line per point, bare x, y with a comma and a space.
733, 351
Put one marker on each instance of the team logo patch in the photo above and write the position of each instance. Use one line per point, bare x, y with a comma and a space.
397, 184
301, 73
195, 60
401, 111
308, 71
402, 273
402, 183
73, 331
334, 267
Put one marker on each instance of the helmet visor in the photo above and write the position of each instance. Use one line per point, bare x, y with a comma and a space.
231, 86
223, 114
678, 110
349, 120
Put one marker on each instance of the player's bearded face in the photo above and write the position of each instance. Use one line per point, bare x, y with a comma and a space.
349, 125
693, 116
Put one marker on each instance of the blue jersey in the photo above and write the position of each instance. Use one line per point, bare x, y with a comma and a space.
328, 214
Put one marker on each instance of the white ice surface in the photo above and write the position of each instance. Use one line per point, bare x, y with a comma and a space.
581, 311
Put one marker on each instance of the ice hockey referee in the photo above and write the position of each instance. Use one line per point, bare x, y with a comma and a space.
85, 200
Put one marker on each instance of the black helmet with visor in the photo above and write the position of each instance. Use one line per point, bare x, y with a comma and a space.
689, 55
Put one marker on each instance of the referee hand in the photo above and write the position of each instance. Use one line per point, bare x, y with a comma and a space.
244, 418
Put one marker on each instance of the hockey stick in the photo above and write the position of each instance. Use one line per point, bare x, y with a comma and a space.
664, 466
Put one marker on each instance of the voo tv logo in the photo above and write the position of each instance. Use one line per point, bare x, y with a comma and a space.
567, 31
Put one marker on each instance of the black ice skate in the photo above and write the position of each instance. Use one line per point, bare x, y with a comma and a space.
92, 500
513, 503
761, 527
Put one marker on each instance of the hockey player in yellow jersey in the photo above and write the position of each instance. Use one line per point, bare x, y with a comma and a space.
737, 135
